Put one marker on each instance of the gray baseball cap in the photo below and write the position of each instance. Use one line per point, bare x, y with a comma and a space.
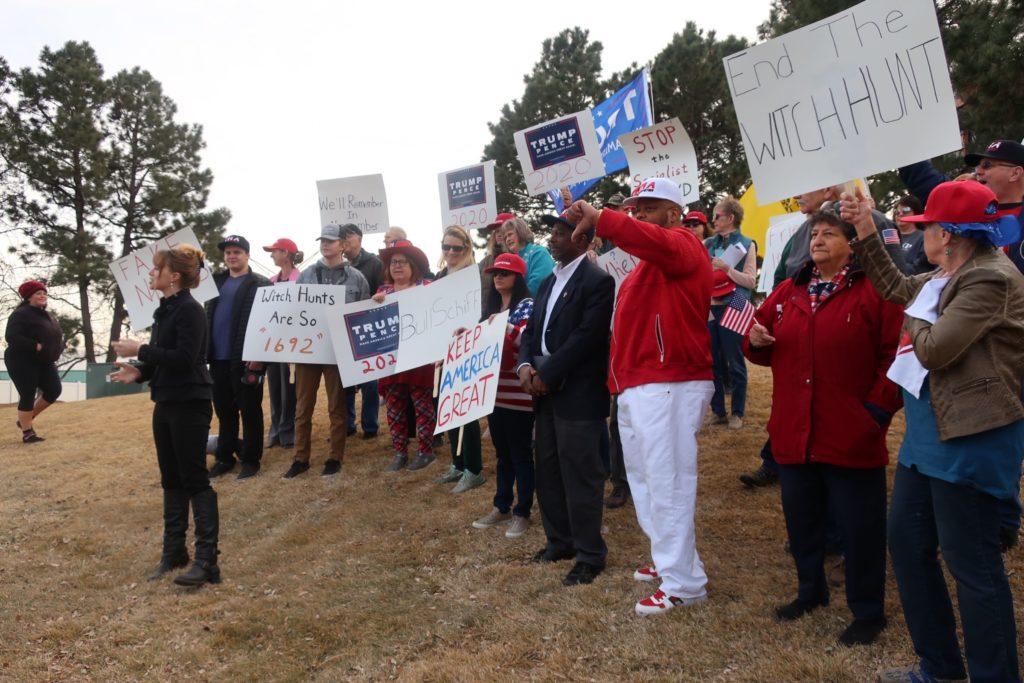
330, 232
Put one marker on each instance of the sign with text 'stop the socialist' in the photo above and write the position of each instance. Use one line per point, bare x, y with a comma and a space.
559, 152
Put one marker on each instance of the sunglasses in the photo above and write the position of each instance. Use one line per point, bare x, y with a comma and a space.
457, 248
986, 164
503, 273
905, 210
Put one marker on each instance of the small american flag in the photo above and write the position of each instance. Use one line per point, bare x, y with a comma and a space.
890, 236
739, 314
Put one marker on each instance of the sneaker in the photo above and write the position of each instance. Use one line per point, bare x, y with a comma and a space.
582, 573
399, 463
518, 527
862, 631
912, 674
297, 468
645, 574
660, 602
31, 437
248, 469
798, 608
452, 474
221, 467
716, 420
420, 461
760, 477
735, 422
617, 498
468, 481
492, 518
331, 467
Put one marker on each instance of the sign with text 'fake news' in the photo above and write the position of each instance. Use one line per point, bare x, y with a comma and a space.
359, 200
467, 196
860, 92
469, 376
559, 152
288, 324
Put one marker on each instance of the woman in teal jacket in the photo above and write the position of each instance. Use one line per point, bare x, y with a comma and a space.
519, 240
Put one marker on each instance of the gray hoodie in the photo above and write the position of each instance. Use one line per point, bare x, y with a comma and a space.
356, 287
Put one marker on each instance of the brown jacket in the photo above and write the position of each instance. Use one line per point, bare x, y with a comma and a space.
975, 350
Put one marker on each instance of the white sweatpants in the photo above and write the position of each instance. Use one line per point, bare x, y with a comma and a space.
658, 424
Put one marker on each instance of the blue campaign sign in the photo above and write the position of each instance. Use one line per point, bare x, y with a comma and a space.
556, 142
466, 187
627, 110
374, 331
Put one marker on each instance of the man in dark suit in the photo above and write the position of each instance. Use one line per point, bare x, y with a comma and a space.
563, 364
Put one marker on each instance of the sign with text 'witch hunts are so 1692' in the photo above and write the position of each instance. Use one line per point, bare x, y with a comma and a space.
862, 91
663, 150
288, 324
467, 196
131, 273
359, 200
469, 375
559, 152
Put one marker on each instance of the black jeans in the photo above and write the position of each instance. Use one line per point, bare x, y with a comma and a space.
472, 458
180, 430
928, 514
512, 434
29, 375
857, 498
231, 398
282, 404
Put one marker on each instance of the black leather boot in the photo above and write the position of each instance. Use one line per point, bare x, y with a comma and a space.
175, 527
204, 569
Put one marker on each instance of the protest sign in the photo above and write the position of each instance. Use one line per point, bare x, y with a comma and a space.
663, 150
467, 196
618, 264
411, 328
780, 229
131, 273
559, 152
756, 216
469, 376
862, 91
359, 200
289, 324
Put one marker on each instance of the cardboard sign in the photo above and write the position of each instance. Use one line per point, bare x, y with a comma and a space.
860, 92
131, 273
780, 229
469, 376
618, 264
467, 196
663, 150
289, 324
559, 152
411, 328
360, 200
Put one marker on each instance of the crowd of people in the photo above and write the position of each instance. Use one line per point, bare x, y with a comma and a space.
867, 315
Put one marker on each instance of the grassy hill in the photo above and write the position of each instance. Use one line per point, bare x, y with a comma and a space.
378, 576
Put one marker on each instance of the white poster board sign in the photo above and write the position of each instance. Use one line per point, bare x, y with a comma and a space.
131, 273
780, 229
860, 92
559, 152
467, 196
663, 150
360, 200
618, 264
469, 375
288, 324
411, 328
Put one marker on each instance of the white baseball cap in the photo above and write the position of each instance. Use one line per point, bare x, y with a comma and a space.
656, 188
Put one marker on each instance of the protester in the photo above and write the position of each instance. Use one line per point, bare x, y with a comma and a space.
613, 203
911, 238
34, 344
286, 257
563, 364
727, 345
961, 454
373, 270
332, 270
456, 254
404, 266
233, 394
495, 245
392, 235
697, 223
511, 423
174, 364
519, 240
831, 408
661, 369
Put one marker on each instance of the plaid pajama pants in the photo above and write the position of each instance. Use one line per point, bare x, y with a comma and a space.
396, 398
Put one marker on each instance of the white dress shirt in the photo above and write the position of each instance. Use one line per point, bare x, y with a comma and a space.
562, 275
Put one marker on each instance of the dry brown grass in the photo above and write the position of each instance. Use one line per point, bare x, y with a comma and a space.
376, 577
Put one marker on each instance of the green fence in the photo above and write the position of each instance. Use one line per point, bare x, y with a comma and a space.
97, 386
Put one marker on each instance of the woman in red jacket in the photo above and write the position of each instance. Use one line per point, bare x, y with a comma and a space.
829, 340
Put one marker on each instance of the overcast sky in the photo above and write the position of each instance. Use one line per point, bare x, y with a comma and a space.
291, 92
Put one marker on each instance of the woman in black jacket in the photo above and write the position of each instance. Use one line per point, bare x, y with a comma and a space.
174, 364
34, 343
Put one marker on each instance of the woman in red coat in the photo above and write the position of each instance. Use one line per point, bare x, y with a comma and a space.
829, 340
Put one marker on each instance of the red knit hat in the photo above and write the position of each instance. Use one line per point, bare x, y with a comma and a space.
30, 287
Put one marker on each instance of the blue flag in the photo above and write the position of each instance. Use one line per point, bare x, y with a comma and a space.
627, 110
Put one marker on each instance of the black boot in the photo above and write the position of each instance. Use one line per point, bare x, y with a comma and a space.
204, 569
175, 527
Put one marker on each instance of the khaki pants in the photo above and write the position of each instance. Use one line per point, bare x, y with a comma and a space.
307, 384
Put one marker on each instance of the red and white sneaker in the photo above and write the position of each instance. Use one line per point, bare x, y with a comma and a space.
659, 603
648, 573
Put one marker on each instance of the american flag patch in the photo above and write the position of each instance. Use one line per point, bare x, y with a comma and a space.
739, 314
890, 236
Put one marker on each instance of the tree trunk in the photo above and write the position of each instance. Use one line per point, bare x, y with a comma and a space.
81, 244
115, 324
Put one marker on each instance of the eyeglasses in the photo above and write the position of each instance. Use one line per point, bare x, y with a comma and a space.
985, 164
457, 248
399, 262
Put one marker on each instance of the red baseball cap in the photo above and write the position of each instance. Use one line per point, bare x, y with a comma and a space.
283, 243
509, 262
696, 216
498, 220
721, 285
971, 209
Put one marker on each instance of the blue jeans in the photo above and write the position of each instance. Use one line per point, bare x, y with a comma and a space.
728, 361
929, 514
371, 407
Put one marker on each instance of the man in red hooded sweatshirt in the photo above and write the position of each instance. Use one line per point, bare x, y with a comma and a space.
661, 371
